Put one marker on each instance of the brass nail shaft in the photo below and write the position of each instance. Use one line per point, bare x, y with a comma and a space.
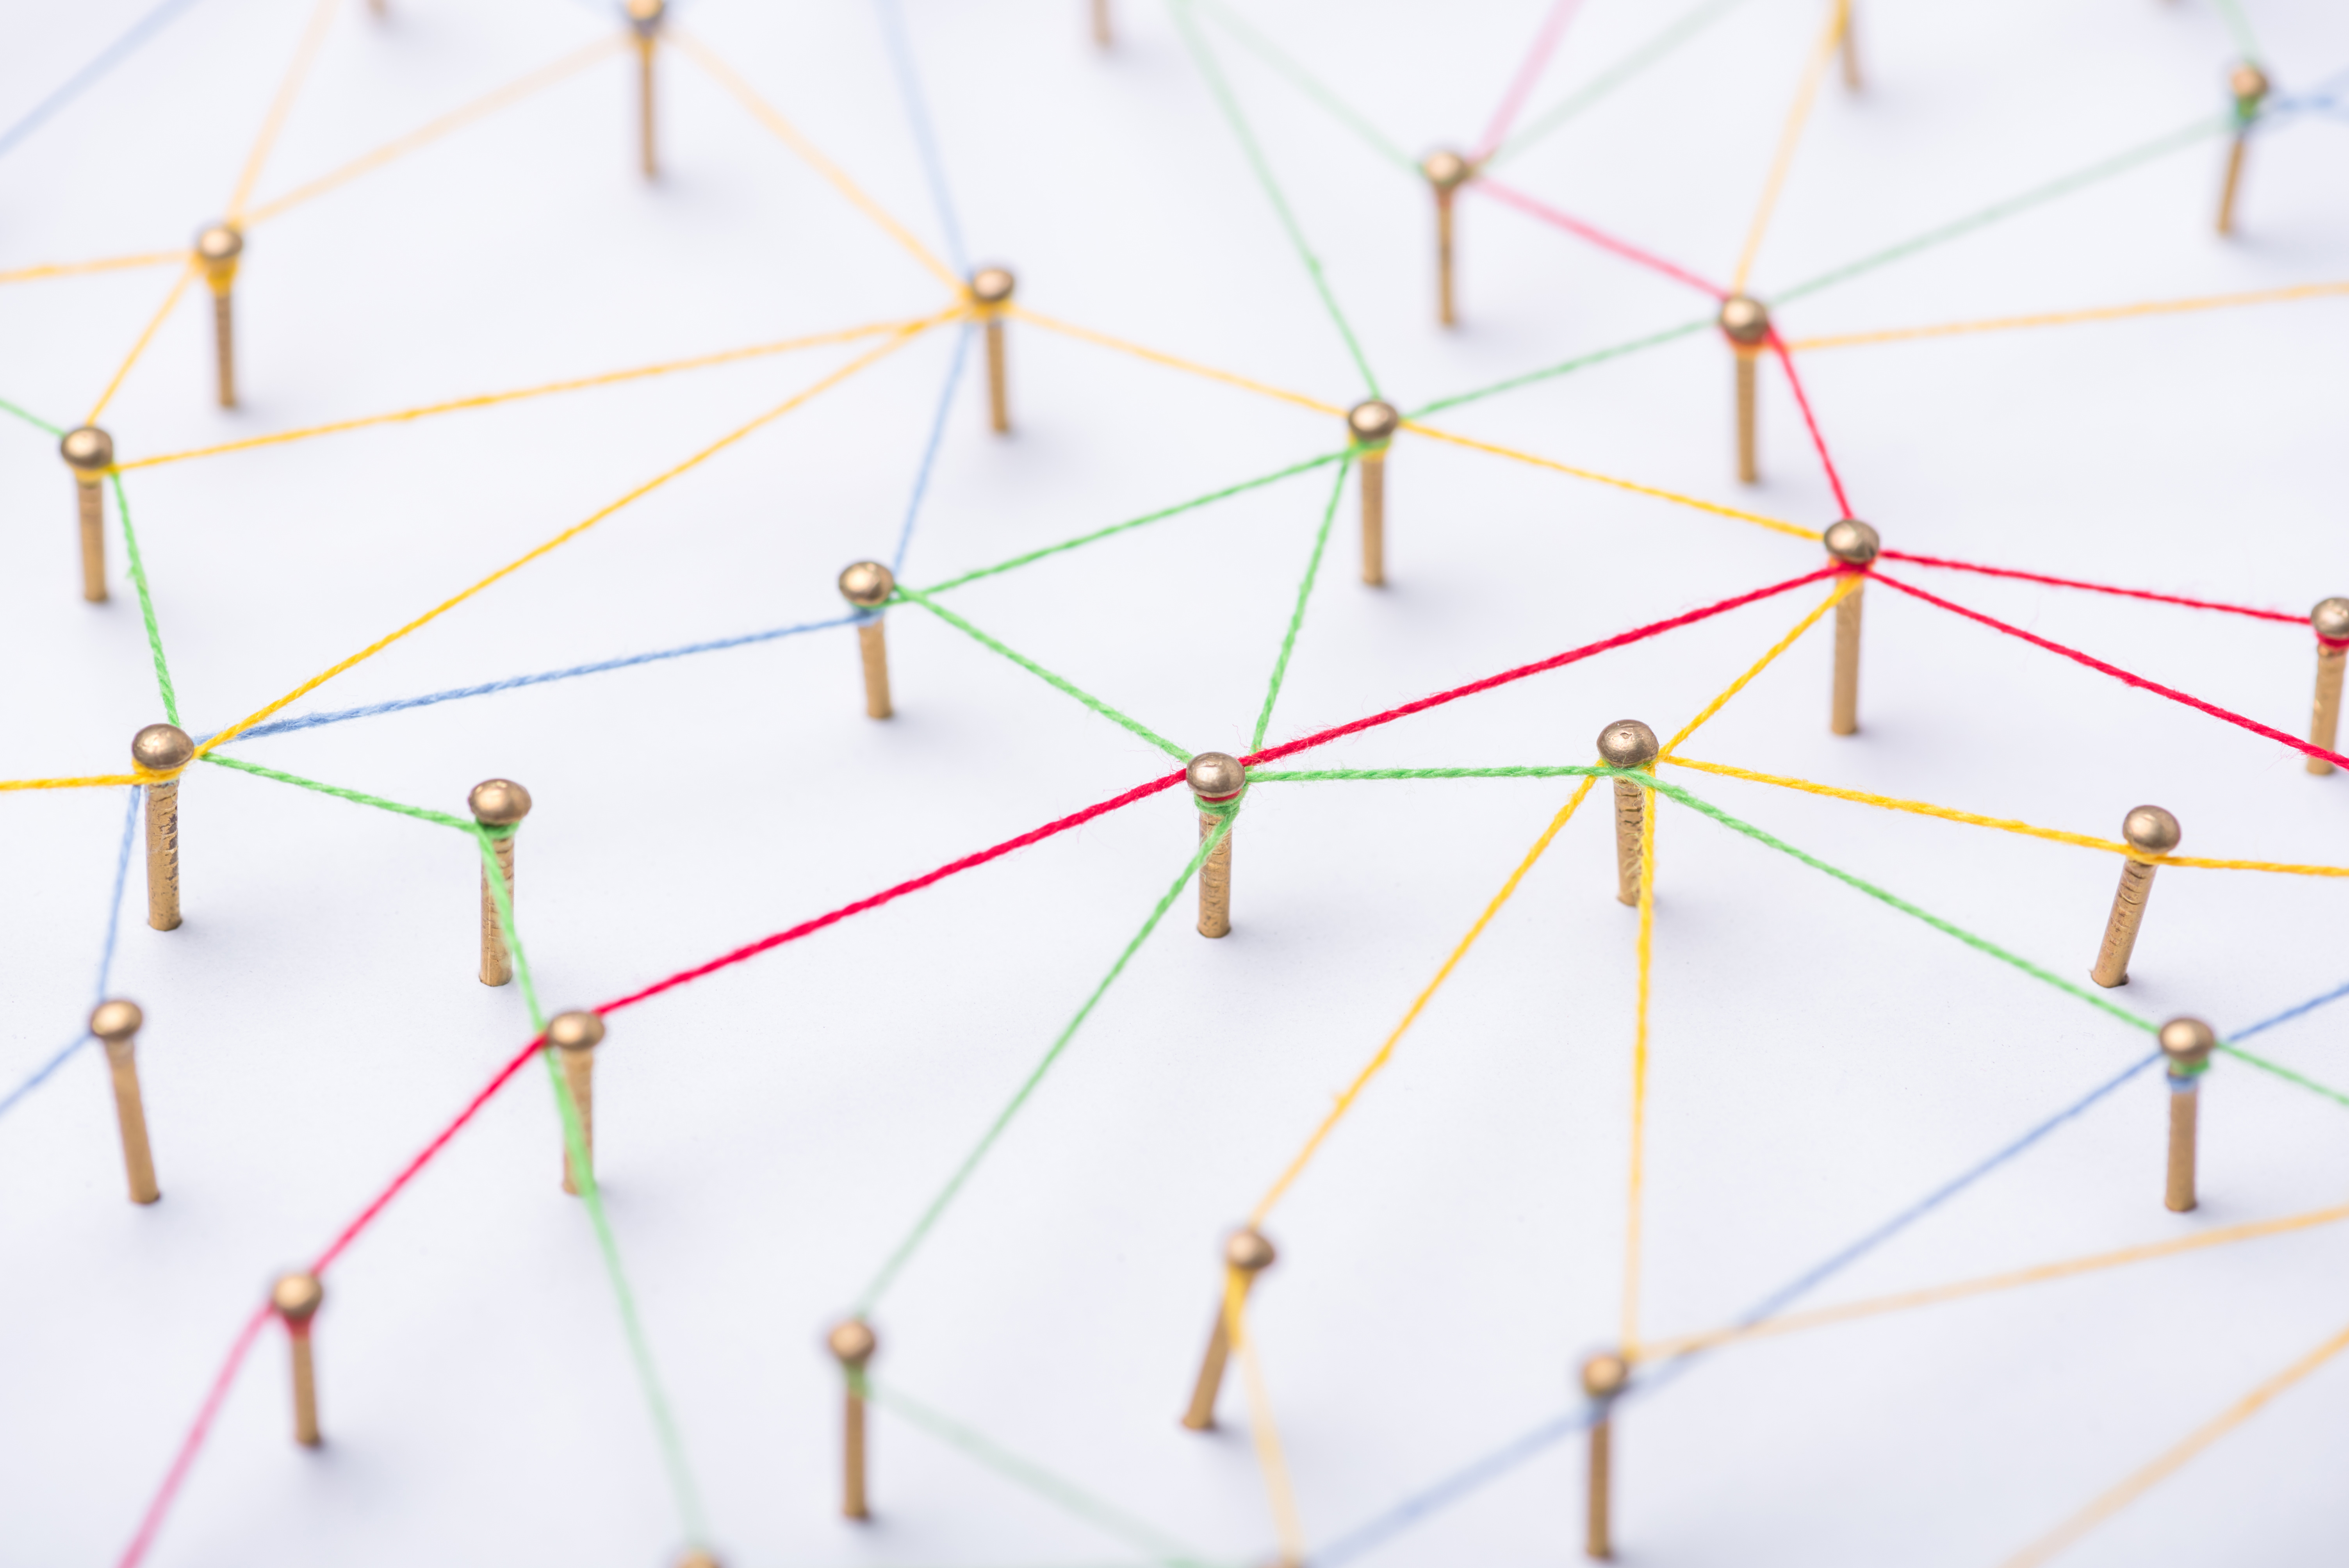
2325, 725
998, 395
225, 344
1749, 469
305, 1386
1201, 1416
853, 1503
130, 1110
1844, 714
1850, 10
2234, 178
579, 1077
2120, 931
1215, 880
645, 42
1101, 23
1599, 1534
874, 645
1374, 467
1444, 308
1631, 816
497, 963
92, 496
2185, 1107
164, 854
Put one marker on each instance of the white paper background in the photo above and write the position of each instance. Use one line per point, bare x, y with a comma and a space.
768, 1135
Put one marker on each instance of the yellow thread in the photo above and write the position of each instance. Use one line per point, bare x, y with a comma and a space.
368, 162
304, 56
107, 264
1773, 524
2004, 824
1875, 1306
843, 374
178, 285
1386, 1052
1265, 1436
85, 782
1783, 162
806, 150
2160, 1469
490, 399
1104, 340
1843, 590
2066, 318
1640, 1077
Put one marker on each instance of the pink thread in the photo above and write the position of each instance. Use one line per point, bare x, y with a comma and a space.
1522, 86
186, 1457
1599, 237
2103, 588
2254, 726
1787, 362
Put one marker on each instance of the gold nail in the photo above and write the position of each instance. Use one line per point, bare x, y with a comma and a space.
853, 1344
499, 805
1854, 543
2249, 84
163, 749
1372, 427
1847, 11
1247, 1254
699, 1557
1100, 23
2150, 831
644, 18
2186, 1046
1747, 321
1604, 1377
2331, 621
1628, 742
218, 248
575, 1036
116, 1023
89, 453
1217, 781
867, 586
990, 291
1446, 172
296, 1297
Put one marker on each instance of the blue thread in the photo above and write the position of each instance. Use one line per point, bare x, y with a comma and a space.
930, 451
312, 720
909, 84
2289, 1014
113, 54
105, 958
1461, 1483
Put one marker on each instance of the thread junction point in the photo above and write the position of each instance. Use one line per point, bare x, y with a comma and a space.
116, 1020
163, 748
575, 1031
297, 1296
1853, 542
1746, 320
2151, 829
867, 584
1626, 743
1216, 777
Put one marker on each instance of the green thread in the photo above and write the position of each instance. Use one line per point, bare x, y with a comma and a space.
32, 419
2239, 26
1615, 75
1231, 107
1160, 516
2119, 163
897, 1259
1164, 1547
420, 813
1266, 50
1597, 356
1032, 668
2284, 1072
146, 602
1304, 593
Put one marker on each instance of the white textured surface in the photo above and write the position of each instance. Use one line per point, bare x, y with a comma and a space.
767, 1136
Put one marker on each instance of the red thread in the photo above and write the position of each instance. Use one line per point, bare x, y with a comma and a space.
1571, 655
1522, 86
1599, 237
2254, 726
194, 1440
2101, 588
1787, 362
